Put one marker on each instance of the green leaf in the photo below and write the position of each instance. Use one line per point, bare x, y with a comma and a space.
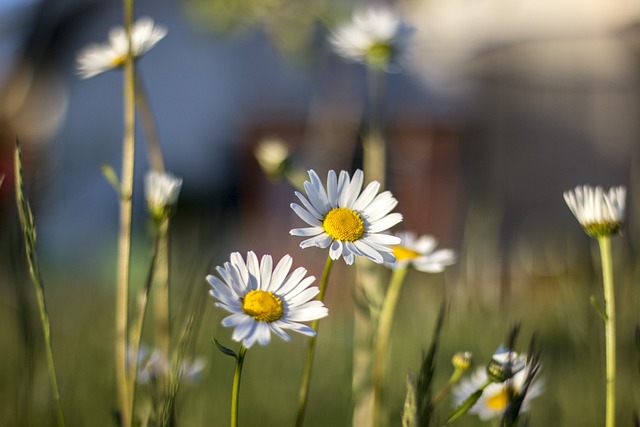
596, 305
225, 350
464, 407
111, 177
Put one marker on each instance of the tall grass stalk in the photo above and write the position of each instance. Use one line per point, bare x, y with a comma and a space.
610, 328
29, 234
382, 341
303, 393
124, 235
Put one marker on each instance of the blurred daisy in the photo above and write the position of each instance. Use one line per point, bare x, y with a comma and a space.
600, 214
346, 220
263, 299
154, 364
98, 58
376, 36
161, 190
495, 397
420, 253
504, 364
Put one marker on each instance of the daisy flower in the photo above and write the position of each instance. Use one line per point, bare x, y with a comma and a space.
263, 299
375, 35
600, 214
161, 190
154, 364
495, 397
420, 253
346, 220
98, 58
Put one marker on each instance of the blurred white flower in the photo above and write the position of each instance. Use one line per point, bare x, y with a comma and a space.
599, 213
346, 220
420, 253
263, 299
504, 364
495, 397
375, 35
154, 364
98, 58
161, 190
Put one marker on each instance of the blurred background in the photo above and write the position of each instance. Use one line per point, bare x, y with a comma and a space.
502, 106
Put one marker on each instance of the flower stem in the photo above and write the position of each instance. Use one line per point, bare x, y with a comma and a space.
124, 235
235, 394
382, 338
374, 147
161, 303
610, 328
306, 376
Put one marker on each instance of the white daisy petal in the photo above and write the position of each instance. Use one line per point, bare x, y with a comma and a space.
262, 299
599, 213
96, 59
419, 252
344, 214
375, 35
494, 399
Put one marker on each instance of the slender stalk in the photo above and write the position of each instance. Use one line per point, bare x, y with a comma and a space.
124, 235
138, 324
610, 328
382, 339
374, 146
306, 376
29, 234
154, 152
235, 394
161, 302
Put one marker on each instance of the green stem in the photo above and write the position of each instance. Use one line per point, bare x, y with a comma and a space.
154, 152
124, 235
610, 328
235, 394
306, 376
138, 324
382, 338
161, 303
374, 147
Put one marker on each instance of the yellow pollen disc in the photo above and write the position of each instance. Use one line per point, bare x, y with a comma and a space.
499, 401
343, 224
402, 253
262, 305
118, 61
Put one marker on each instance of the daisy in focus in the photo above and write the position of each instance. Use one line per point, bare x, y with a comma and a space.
495, 397
420, 253
345, 219
98, 58
263, 299
600, 214
161, 191
376, 36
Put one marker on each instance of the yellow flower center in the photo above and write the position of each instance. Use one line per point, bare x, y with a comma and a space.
402, 253
118, 61
262, 305
343, 224
498, 402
